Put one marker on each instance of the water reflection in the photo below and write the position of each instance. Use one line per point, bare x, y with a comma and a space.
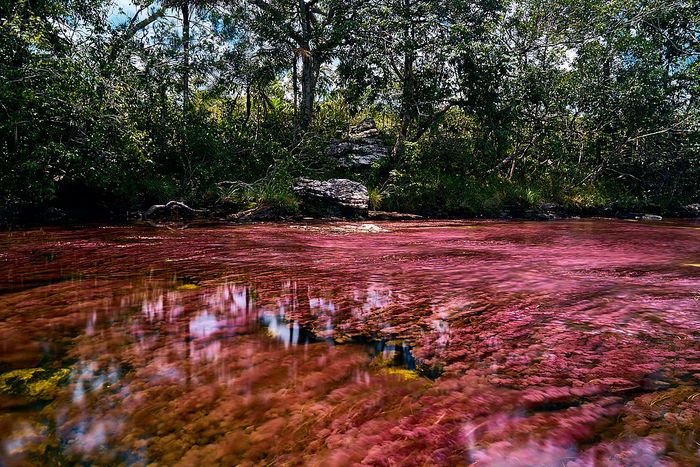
286, 332
529, 344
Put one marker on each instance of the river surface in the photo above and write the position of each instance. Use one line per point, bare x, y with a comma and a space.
572, 343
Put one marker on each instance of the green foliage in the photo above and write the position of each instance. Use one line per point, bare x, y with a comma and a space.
375, 199
490, 105
272, 192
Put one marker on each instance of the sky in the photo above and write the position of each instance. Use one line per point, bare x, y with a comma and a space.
125, 5
115, 17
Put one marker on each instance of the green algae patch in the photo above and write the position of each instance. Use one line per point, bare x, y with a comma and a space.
33, 383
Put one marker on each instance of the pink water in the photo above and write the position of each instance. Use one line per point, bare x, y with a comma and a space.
569, 343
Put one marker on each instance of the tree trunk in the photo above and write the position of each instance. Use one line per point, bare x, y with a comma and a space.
408, 78
185, 56
185, 155
308, 68
248, 103
308, 90
163, 104
295, 90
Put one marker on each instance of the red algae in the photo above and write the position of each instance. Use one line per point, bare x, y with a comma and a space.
420, 343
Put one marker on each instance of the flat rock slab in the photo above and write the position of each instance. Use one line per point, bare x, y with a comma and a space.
359, 228
347, 228
332, 197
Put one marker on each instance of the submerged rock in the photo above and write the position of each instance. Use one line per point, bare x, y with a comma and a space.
362, 148
360, 228
636, 216
348, 228
333, 197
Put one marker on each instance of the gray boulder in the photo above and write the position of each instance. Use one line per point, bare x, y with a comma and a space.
691, 210
362, 148
335, 197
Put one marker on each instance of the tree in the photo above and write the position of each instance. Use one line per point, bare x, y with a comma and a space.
313, 29
407, 52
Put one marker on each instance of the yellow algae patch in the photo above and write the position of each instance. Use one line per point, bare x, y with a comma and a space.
36, 383
402, 373
48, 387
383, 363
186, 287
692, 265
342, 339
395, 342
383, 360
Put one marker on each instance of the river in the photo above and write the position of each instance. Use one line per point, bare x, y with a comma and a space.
408, 343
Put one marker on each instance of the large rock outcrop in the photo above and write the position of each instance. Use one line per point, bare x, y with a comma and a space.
362, 148
690, 210
335, 197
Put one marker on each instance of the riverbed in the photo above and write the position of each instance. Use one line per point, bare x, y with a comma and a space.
399, 343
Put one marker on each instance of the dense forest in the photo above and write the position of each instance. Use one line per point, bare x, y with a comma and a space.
110, 106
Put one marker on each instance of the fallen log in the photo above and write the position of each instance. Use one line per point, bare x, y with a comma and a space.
171, 206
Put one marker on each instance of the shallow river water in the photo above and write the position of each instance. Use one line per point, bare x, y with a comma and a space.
569, 343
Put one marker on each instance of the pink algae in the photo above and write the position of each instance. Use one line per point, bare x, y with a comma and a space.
568, 343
